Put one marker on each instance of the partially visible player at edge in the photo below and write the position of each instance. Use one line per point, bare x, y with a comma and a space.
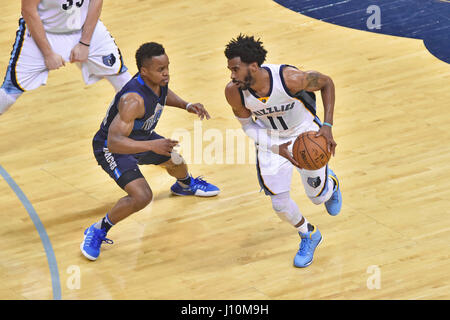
53, 32
280, 98
127, 139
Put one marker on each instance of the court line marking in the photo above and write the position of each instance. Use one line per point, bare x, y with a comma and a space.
51, 259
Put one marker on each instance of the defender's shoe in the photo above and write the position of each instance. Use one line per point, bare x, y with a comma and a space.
93, 239
197, 187
310, 240
334, 204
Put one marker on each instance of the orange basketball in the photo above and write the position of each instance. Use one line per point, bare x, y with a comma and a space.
310, 152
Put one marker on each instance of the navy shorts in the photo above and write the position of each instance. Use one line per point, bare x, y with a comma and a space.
123, 168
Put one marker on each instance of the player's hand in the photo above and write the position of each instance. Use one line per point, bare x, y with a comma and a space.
199, 110
79, 53
326, 132
283, 151
163, 146
54, 61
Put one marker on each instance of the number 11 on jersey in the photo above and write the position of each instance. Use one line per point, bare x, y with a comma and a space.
280, 119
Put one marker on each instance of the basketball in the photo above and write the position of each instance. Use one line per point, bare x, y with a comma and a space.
310, 152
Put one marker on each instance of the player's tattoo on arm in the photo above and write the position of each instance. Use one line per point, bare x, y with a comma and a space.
313, 78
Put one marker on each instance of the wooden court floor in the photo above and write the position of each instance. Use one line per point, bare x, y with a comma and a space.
392, 117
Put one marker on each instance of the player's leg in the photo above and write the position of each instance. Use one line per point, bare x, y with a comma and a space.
119, 80
125, 172
274, 175
322, 186
105, 60
287, 210
7, 99
186, 185
139, 195
26, 69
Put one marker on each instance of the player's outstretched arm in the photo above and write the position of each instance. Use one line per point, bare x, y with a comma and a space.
131, 107
297, 80
174, 100
36, 28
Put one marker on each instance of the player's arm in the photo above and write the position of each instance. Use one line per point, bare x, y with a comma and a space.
37, 31
131, 107
174, 100
80, 52
297, 80
94, 11
250, 127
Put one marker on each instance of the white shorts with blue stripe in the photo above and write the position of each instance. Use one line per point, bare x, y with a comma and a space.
27, 70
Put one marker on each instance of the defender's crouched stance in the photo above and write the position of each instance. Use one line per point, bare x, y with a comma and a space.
126, 139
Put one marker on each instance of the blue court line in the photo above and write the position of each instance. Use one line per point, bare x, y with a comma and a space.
42, 233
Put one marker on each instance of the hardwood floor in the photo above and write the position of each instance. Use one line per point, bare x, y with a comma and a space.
391, 240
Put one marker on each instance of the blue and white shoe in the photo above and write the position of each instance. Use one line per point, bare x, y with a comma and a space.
93, 239
197, 187
310, 240
334, 204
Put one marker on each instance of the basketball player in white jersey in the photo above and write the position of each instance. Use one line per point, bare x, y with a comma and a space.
280, 99
53, 32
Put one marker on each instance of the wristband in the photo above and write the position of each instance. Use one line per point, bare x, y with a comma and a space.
84, 44
328, 124
188, 105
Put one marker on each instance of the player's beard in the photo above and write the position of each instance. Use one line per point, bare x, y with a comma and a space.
248, 81
246, 84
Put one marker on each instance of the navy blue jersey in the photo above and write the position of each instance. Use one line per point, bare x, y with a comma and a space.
154, 105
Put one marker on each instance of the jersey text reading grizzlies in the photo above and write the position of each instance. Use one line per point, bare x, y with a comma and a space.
281, 110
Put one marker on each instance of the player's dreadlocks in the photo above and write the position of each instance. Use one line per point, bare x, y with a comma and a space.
247, 48
147, 51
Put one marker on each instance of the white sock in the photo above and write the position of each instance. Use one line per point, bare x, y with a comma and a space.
304, 227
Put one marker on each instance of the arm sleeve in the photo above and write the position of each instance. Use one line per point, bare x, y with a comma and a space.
256, 132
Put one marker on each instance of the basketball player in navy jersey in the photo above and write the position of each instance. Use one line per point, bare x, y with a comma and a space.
281, 99
53, 32
126, 139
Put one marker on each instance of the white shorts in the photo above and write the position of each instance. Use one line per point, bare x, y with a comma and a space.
27, 70
275, 172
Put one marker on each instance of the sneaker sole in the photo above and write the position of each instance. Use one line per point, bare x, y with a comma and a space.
180, 194
210, 194
309, 263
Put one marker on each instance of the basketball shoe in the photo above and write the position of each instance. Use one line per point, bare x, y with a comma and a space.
334, 204
93, 239
197, 187
310, 240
